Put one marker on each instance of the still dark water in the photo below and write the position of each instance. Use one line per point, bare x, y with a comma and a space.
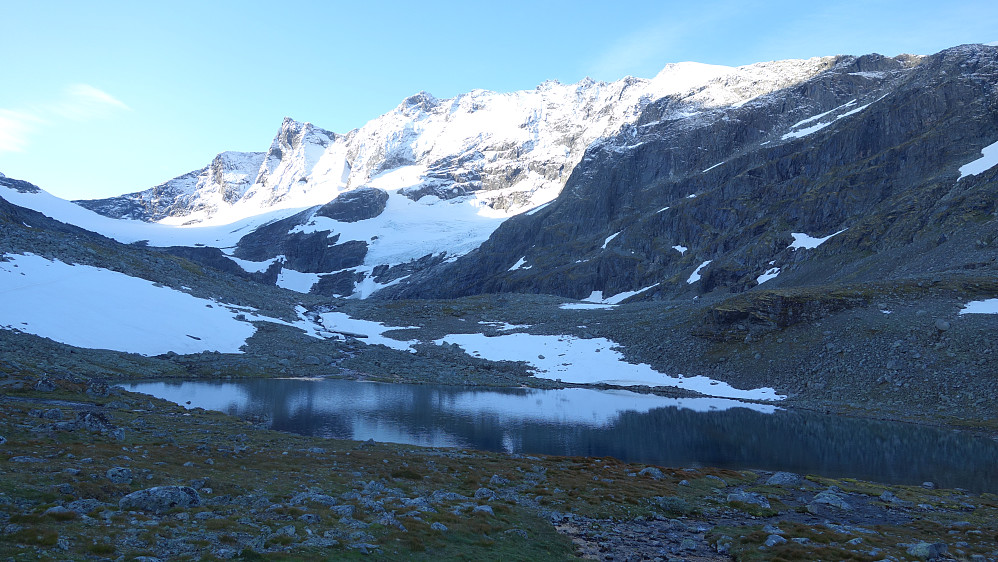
629, 426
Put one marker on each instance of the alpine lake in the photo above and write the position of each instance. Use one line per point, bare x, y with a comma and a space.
632, 427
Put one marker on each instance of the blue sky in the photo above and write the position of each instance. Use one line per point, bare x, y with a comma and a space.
99, 98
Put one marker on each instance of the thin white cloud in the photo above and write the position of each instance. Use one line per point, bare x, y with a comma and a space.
82, 102
15, 128
78, 102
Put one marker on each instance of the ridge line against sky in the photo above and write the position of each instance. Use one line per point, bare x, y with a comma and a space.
107, 97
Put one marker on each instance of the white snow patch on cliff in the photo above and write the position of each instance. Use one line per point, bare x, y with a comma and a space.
988, 160
802, 240
695, 276
519, 264
822, 124
770, 273
597, 296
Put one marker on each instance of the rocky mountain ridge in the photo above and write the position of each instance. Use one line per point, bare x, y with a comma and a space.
512, 149
865, 158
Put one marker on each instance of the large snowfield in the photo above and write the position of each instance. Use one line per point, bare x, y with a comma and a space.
97, 308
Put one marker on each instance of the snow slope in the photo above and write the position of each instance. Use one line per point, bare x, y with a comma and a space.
97, 308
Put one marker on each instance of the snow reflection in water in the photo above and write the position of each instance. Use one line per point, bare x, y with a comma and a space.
626, 425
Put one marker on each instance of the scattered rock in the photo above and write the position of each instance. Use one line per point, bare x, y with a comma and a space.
496, 480
784, 479
58, 510
119, 475
313, 497
485, 494
483, 509
749, 498
942, 325
439, 527
160, 499
929, 551
773, 540
651, 472
45, 385
831, 497
26, 460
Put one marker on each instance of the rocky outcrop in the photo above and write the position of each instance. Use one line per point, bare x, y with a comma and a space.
160, 499
357, 205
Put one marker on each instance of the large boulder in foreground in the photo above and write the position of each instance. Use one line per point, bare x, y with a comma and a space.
160, 499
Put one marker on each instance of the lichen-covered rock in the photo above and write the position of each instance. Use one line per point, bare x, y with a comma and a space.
160, 499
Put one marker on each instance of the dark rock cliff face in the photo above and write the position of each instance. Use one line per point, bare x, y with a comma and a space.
872, 148
357, 205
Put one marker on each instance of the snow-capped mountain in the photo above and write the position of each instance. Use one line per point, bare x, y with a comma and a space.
221, 183
511, 151
451, 171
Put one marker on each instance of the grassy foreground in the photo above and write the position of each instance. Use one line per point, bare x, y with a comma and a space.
73, 448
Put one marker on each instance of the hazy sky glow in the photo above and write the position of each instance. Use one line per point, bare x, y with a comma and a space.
100, 98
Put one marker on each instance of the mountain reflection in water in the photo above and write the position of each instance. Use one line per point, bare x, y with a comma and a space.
629, 426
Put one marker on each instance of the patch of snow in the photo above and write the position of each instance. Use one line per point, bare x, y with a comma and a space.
712, 167
661, 210
589, 361
988, 160
597, 296
802, 240
989, 306
505, 326
538, 208
695, 276
96, 308
609, 238
519, 264
586, 306
868, 74
821, 125
691, 196
296, 280
338, 321
254, 266
681, 249
771, 273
